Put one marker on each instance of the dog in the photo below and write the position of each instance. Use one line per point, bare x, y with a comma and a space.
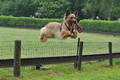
60, 30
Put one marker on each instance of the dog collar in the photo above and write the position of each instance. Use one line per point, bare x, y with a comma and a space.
65, 25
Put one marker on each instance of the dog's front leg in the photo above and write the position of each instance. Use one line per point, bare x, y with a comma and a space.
65, 34
74, 34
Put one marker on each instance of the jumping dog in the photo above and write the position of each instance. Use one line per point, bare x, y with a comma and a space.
60, 30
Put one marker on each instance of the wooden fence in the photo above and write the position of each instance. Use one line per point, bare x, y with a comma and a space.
77, 59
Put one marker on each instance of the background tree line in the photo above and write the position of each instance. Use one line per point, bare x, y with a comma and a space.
105, 9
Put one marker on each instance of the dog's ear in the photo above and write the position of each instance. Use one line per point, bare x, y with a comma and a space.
67, 13
76, 13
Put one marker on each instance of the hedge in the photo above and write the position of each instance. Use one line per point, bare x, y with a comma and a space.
100, 25
25, 21
94, 25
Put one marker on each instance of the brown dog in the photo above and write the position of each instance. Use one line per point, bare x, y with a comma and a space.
59, 30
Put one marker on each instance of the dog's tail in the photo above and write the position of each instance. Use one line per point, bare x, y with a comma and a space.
43, 37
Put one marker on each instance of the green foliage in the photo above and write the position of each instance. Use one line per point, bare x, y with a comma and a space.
100, 25
95, 25
101, 8
17, 8
91, 7
116, 10
4, 20
25, 21
56, 8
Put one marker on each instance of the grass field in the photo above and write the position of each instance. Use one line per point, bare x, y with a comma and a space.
32, 47
11, 34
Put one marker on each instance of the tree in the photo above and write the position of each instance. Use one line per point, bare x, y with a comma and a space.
91, 8
116, 11
57, 8
77, 5
18, 8
0, 7
102, 8
53, 8
106, 8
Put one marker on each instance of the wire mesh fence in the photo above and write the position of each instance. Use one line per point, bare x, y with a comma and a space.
6, 49
38, 49
116, 47
95, 47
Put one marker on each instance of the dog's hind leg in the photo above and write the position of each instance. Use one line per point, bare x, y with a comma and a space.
43, 37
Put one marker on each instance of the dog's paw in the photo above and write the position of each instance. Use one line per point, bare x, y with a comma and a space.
75, 33
73, 37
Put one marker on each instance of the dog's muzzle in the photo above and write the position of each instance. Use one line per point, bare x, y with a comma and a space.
72, 21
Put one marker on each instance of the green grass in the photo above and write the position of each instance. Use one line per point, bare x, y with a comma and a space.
11, 34
95, 75
32, 47
95, 70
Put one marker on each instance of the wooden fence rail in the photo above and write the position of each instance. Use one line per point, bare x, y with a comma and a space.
6, 63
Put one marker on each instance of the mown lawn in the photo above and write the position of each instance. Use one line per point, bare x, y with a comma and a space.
11, 34
94, 71
94, 43
108, 74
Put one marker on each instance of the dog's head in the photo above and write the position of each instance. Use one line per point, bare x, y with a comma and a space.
70, 17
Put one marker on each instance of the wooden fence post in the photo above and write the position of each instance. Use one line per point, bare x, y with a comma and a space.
17, 58
76, 60
80, 55
110, 53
